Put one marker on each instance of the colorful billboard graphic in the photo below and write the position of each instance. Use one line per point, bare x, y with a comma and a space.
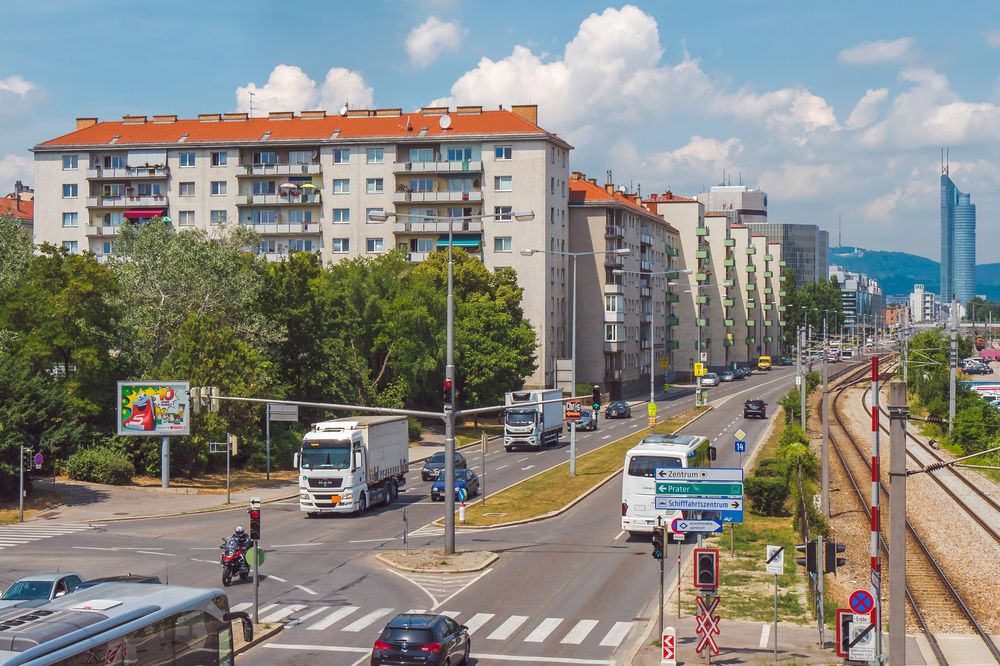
153, 408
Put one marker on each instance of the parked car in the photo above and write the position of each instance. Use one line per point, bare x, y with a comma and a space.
745, 371
787, 361
710, 379
422, 638
586, 420
464, 478
727, 376
435, 464
618, 409
754, 409
38, 590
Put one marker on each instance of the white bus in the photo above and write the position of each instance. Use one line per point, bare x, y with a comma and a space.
639, 513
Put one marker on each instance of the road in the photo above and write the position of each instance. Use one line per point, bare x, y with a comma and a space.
572, 589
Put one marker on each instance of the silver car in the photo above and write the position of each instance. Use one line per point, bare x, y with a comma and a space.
38, 590
710, 379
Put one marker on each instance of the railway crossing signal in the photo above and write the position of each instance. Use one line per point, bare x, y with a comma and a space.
831, 561
707, 625
809, 561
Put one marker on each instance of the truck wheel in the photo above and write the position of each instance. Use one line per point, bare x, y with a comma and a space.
508, 449
362, 505
392, 494
311, 514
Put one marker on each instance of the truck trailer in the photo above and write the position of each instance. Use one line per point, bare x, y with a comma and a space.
534, 426
348, 465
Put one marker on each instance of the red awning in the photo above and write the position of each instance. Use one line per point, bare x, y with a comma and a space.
141, 213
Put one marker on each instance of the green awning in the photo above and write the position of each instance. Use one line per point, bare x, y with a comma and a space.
461, 241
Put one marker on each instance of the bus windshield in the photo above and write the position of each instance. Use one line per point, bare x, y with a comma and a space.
327, 457
645, 466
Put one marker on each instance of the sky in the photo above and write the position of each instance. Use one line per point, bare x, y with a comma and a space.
837, 110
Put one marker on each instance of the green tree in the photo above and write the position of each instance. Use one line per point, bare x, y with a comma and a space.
15, 251
811, 303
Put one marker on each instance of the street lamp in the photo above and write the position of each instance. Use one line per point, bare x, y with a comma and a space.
449, 370
621, 252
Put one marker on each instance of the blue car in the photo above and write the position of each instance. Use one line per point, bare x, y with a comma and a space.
464, 478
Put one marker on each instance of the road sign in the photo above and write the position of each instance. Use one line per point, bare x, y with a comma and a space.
669, 645
798, 380
732, 489
282, 412
730, 516
708, 626
218, 447
664, 363
704, 357
697, 504
861, 639
572, 410
700, 474
739, 434
253, 554
679, 525
862, 601
38, 460
651, 410
459, 494
699, 369
741, 446
775, 559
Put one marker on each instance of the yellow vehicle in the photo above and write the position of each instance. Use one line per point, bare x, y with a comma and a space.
764, 363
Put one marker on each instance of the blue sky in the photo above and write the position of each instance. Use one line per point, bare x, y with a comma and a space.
833, 108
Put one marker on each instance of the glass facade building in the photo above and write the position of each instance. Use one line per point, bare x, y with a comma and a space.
804, 248
958, 243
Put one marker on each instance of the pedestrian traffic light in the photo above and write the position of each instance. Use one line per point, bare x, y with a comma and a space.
706, 568
449, 392
658, 543
809, 561
830, 556
255, 523
597, 397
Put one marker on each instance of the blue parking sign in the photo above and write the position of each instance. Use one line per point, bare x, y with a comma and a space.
741, 446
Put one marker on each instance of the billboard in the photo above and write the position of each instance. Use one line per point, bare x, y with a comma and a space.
153, 408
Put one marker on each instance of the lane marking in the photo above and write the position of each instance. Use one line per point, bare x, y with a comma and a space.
444, 601
606, 437
476, 655
332, 618
522, 459
619, 535
306, 590
617, 634
525, 469
240, 607
765, 633
509, 626
542, 631
382, 539
277, 578
294, 545
151, 552
501, 467
578, 633
477, 621
195, 559
366, 620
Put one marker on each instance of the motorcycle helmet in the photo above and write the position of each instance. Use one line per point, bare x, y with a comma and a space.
239, 530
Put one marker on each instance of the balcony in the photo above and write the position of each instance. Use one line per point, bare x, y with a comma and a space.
751, 268
728, 302
436, 226
613, 231
612, 289
613, 260
728, 283
702, 322
728, 263
93, 231
782, 323
151, 172
728, 340
768, 257
613, 317
781, 263
767, 306
751, 250
433, 197
646, 238
768, 290
644, 292
701, 231
283, 229
751, 341
645, 265
303, 199
673, 251
150, 201
783, 278
673, 345
644, 344
672, 298
442, 166
646, 317
701, 254
751, 287
703, 299
700, 277
613, 347
673, 320
417, 257
782, 293
729, 242
768, 274
768, 323
768, 339
277, 169
728, 322
751, 304
751, 323
781, 308
613, 375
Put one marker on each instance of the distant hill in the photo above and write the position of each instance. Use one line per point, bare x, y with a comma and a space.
897, 272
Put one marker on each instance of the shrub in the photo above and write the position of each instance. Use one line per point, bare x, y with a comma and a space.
414, 428
774, 467
100, 465
767, 494
798, 454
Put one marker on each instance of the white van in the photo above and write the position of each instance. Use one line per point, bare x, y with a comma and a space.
638, 485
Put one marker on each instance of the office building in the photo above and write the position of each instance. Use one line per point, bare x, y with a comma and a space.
958, 242
805, 248
861, 299
308, 181
740, 203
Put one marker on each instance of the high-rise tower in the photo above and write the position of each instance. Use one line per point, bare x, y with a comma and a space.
958, 242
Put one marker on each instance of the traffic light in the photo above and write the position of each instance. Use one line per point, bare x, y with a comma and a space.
213, 394
234, 444
449, 392
597, 397
831, 561
706, 568
712, 453
194, 399
658, 543
809, 561
255, 523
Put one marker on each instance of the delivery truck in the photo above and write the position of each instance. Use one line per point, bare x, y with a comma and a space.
348, 465
530, 425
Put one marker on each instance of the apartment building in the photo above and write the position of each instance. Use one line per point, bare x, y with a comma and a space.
310, 181
625, 319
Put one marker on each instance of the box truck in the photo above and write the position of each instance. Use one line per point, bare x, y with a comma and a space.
348, 465
529, 425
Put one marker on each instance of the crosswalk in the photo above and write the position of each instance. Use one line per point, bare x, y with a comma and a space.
496, 627
22, 533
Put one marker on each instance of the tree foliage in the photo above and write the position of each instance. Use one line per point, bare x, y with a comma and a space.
809, 304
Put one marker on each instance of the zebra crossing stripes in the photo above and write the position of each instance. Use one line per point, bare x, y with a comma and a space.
22, 533
332, 618
617, 634
542, 631
578, 633
366, 620
509, 626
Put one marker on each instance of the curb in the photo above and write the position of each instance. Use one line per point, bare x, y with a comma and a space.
214, 509
269, 630
490, 560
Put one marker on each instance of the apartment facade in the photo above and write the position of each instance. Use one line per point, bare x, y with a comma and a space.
924, 305
310, 182
625, 322
861, 298
742, 204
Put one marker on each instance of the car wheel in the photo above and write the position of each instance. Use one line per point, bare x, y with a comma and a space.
465, 657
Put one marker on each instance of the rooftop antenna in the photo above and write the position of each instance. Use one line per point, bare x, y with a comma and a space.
947, 168
840, 232
741, 177
251, 103
608, 173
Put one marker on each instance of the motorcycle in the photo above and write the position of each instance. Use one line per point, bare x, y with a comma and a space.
233, 561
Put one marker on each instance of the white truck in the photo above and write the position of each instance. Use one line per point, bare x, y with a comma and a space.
348, 465
534, 426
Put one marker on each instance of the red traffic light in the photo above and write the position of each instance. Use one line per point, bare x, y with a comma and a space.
255, 514
447, 385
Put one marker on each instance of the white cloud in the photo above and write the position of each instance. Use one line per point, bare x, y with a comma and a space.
866, 110
15, 167
803, 181
17, 85
780, 109
288, 88
701, 157
880, 208
431, 38
993, 38
871, 53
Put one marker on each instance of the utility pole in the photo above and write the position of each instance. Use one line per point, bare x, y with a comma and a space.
876, 528
802, 376
898, 411
20, 492
953, 364
825, 450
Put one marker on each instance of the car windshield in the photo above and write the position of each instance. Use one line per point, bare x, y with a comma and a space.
405, 635
520, 417
618, 405
755, 403
338, 457
26, 590
436, 458
460, 475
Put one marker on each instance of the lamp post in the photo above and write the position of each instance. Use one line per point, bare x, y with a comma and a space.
621, 252
693, 289
449, 370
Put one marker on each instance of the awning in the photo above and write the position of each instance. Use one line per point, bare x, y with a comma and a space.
461, 241
143, 213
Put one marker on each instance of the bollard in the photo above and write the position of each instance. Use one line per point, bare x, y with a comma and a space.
461, 513
669, 647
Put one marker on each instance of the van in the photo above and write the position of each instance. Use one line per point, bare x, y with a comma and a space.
764, 363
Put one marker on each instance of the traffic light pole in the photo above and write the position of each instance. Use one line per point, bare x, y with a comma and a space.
449, 410
659, 525
256, 584
897, 521
819, 590
20, 492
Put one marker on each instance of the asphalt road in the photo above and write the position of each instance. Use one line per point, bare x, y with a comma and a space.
572, 589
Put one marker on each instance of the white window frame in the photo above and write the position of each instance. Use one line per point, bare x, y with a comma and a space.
74, 160
74, 217
72, 188
343, 243
341, 152
306, 216
503, 153
375, 155
185, 218
220, 158
374, 245
217, 218
219, 188
343, 213
345, 182
613, 333
502, 244
498, 182
183, 157
72, 247
374, 185
181, 188
503, 213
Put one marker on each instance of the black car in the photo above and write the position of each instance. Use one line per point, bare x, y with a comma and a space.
754, 409
421, 638
618, 409
739, 374
434, 465
587, 421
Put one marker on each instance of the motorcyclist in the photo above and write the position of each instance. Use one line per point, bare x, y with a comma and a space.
242, 538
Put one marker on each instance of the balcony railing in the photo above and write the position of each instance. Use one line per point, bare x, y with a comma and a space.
673, 320
277, 169
644, 292
728, 302
645, 265
441, 166
673, 345
701, 231
768, 274
751, 268
436, 226
313, 199
728, 322
703, 299
151, 200
701, 254
612, 289
644, 344
100, 173
768, 257
703, 322
646, 317
613, 260
767, 306
700, 277
751, 249
729, 242
614, 317
728, 263
283, 229
613, 347
751, 341
673, 251
646, 239
751, 304
728, 283
612, 375
431, 197
750, 286
613, 231
103, 230
672, 298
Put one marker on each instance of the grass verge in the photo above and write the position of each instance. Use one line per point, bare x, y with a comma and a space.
35, 503
555, 488
215, 484
468, 434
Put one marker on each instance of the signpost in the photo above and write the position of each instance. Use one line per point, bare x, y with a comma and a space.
157, 409
706, 489
775, 564
707, 625
668, 503
651, 411
861, 601
38, 459
681, 525
664, 363
699, 369
572, 410
276, 413
703, 474
861, 639
669, 645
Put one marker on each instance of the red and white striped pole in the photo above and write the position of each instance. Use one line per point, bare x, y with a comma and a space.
876, 582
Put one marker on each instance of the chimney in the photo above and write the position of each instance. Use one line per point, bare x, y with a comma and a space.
312, 115
235, 116
134, 120
164, 119
82, 123
610, 187
434, 110
528, 112
388, 113
576, 176
592, 181
209, 117
468, 110
281, 115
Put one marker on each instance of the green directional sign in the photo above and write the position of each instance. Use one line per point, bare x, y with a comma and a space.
710, 489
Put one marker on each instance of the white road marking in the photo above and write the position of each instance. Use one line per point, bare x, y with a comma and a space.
294, 545
366, 620
606, 437
243, 606
151, 552
617, 634
303, 618
477, 621
619, 535
195, 559
509, 626
634, 425
318, 648
579, 632
267, 608
501, 467
451, 614
476, 655
522, 459
374, 540
282, 613
542, 631
277, 578
525, 469
765, 633
332, 618
93, 548
306, 590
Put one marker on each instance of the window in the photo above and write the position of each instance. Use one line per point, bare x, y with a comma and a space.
501, 244
263, 187
73, 247
218, 188
341, 155
297, 216
373, 185
264, 216
421, 214
185, 218
218, 217
502, 152
115, 219
300, 157
373, 245
612, 332
300, 245
220, 159
423, 245
113, 190
106, 247
503, 213
503, 183
114, 161
462, 184
187, 159
69, 191
149, 190
265, 157
422, 184
71, 220
186, 190
552, 185
376, 155
341, 215
614, 303
70, 162
341, 245
421, 154
460, 154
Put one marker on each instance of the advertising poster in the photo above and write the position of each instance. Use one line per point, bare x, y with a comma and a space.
153, 408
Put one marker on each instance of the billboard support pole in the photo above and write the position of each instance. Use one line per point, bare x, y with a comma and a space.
165, 462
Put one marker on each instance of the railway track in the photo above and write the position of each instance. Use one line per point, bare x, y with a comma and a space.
929, 591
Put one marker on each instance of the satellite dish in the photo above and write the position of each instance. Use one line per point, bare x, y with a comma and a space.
445, 121
343, 110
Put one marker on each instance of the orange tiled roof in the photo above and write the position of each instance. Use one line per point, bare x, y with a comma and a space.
668, 197
715, 214
298, 128
23, 210
583, 191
